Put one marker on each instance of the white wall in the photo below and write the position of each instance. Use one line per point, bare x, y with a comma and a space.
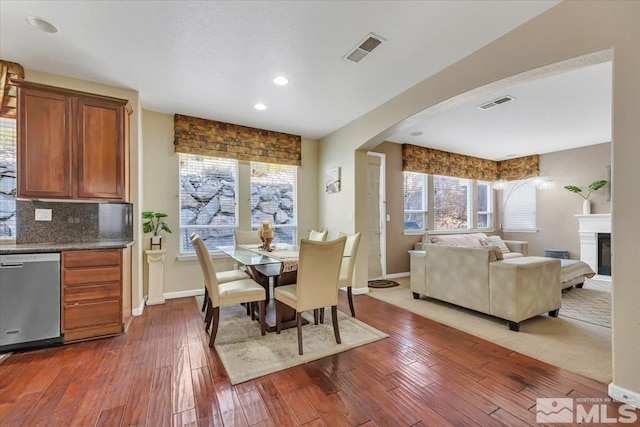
568, 30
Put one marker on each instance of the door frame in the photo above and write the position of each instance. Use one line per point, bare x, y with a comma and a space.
383, 212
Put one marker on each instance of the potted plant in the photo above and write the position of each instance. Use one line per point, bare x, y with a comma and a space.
153, 222
594, 186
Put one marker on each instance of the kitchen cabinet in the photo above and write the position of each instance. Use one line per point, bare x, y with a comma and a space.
72, 145
92, 287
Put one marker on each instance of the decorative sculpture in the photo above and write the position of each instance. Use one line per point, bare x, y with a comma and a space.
266, 234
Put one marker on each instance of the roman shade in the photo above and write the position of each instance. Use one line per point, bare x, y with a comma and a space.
8, 93
437, 162
193, 135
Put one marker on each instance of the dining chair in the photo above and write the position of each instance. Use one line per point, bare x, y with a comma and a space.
348, 263
316, 285
229, 293
223, 277
246, 237
318, 236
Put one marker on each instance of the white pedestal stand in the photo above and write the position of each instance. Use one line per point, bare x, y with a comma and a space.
155, 259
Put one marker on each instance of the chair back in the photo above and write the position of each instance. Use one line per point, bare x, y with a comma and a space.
208, 271
349, 258
246, 237
318, 236
318, 273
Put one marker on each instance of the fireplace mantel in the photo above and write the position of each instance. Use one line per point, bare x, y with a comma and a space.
589, 228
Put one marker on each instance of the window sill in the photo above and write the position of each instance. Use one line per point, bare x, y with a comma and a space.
187, 257
414, 232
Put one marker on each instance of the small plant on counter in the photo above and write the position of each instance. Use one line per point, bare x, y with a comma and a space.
153, 222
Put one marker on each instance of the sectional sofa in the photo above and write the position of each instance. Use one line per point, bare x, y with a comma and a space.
462, 270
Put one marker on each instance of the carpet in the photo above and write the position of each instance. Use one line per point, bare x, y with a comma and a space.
591, 303
382, 284
579, 347
247, 355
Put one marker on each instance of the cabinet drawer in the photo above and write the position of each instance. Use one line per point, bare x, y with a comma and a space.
77, 259
91, 314
87, 276
105, 291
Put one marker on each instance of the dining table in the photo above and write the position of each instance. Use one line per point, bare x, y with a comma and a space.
269, 268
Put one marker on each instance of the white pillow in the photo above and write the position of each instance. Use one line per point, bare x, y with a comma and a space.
497, 241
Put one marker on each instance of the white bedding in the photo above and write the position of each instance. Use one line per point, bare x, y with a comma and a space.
572, 268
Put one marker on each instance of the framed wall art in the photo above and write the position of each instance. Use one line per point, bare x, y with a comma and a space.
332, 183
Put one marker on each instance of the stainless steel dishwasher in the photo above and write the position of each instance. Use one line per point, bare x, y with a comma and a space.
29, 301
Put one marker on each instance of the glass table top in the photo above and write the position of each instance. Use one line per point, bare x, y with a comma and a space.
249, 257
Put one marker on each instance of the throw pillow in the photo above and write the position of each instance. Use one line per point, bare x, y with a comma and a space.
497, 253
497, 241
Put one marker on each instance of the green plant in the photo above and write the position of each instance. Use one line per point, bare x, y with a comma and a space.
594, 186
153, 222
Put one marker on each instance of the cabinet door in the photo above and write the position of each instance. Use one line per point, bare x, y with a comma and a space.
44, 145
100, 147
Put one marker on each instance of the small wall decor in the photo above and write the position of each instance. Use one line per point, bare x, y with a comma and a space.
333, 180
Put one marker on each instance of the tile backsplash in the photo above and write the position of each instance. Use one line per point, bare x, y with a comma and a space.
73, 222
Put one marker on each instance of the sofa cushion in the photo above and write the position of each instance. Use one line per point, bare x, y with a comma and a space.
496, 241
472, 240
512, 255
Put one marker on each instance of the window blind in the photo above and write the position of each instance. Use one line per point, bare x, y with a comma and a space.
415, 201
208, 204
519, 205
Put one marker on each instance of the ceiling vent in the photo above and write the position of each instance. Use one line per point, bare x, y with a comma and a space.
496, 102
364, 48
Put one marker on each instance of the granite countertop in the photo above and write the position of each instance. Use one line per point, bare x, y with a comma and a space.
23, 248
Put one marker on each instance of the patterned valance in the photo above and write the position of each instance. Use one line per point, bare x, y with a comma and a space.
519, 168
436, 162
8, 93
217, 139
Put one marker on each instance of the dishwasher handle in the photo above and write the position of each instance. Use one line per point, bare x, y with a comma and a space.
12, 265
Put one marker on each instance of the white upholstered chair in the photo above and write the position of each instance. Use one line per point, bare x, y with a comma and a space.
318, 236
229, 293
317, 283
223, 277
348, 262
246, 237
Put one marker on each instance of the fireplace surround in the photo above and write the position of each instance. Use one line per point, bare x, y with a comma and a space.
591, 227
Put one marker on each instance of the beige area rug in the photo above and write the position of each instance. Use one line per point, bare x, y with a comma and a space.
247, 355
591, 303
570, 344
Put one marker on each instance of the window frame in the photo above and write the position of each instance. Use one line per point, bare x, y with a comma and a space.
425, 204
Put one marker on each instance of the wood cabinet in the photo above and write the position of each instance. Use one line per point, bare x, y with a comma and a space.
92, 286
72, 145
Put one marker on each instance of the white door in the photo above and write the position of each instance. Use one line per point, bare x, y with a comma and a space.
375, 226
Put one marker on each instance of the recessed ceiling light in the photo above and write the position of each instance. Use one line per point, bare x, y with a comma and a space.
416, 133
281, 80
41, 24
260, 106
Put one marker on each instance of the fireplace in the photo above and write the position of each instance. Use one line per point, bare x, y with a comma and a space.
604, 254
592, 251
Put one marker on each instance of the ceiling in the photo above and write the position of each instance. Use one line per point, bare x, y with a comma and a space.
216, 59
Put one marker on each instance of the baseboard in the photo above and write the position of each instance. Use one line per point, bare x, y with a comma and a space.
623, 395
397, 275
183, 294
138, 311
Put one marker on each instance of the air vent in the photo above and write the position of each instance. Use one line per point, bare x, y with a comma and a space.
496, 102
364, 48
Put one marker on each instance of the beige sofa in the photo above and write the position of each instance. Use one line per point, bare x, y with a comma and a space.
513, 289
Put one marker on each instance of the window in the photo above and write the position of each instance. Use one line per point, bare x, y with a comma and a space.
415, 201
519, 205
8, 181
208, 205
484, 206
273, 199
450, 203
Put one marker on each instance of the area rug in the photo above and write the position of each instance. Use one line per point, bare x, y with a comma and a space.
570, 344
591, 303
382, 284
247, 355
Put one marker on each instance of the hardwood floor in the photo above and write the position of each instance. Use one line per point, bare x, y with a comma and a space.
162, 372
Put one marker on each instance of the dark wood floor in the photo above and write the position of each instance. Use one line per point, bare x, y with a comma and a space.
161, 373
